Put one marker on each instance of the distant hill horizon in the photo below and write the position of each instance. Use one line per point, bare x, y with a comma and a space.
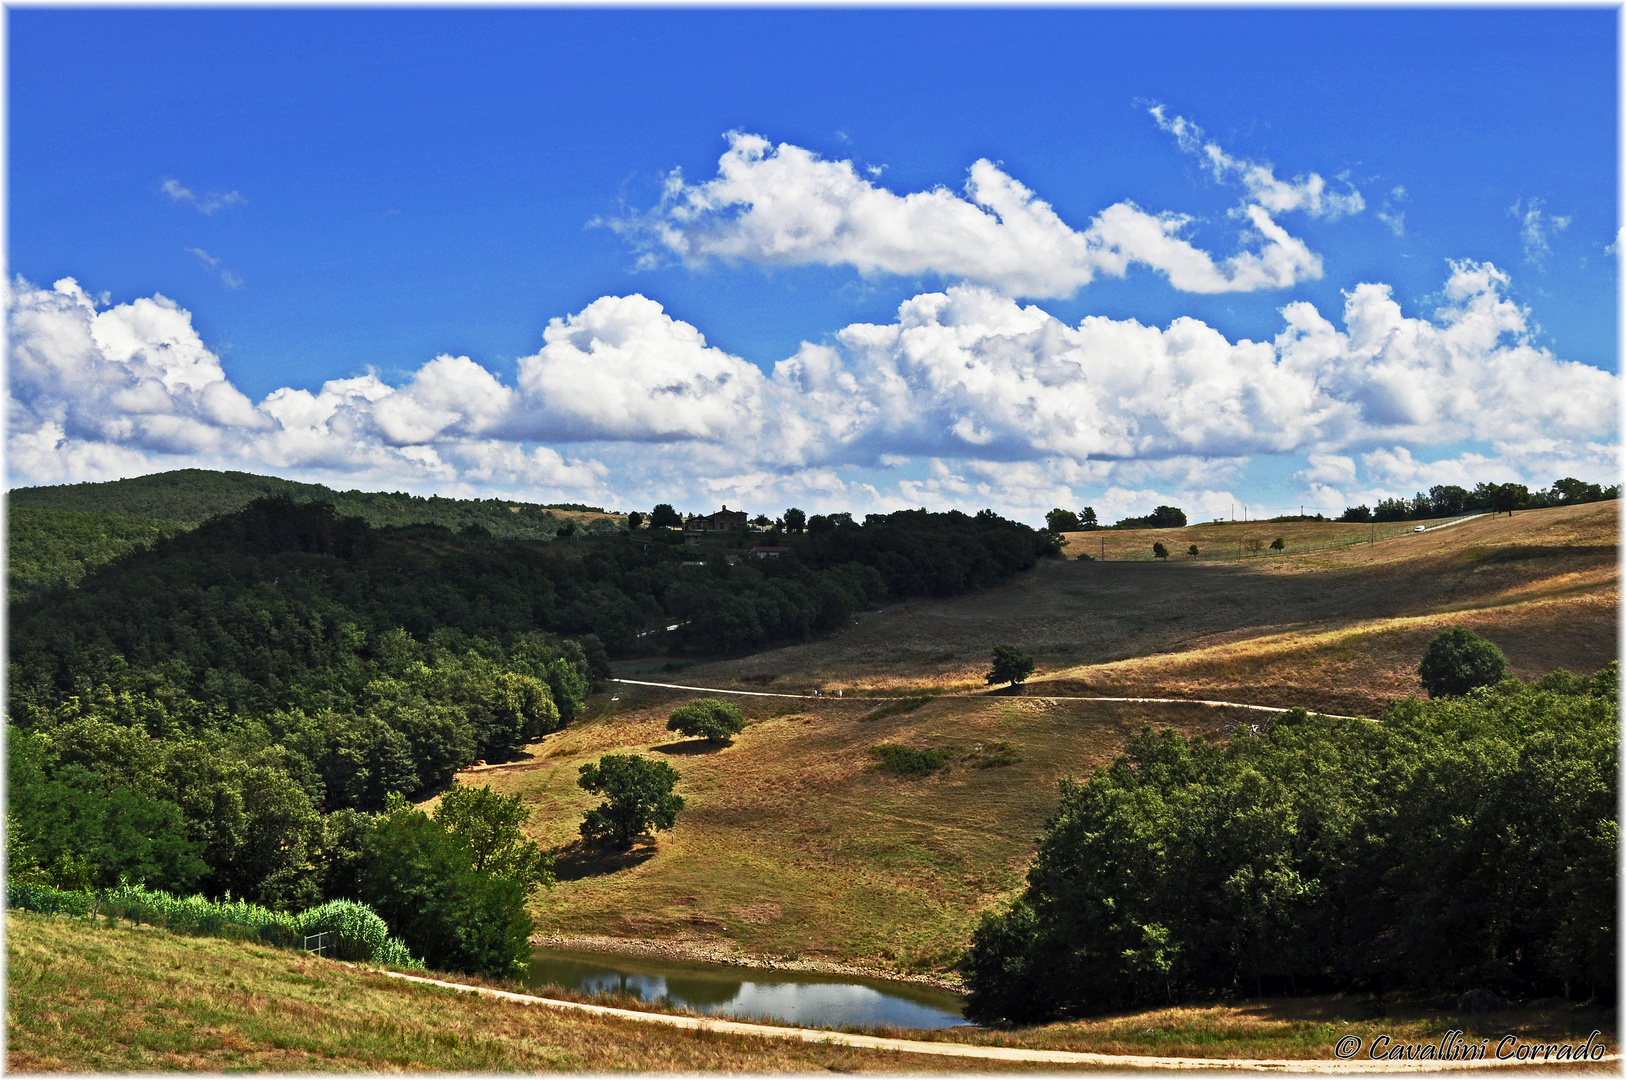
193, 496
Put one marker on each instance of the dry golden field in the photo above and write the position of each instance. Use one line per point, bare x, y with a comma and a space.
794, 844
1340, 629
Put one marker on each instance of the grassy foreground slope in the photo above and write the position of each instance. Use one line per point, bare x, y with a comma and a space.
83, 997
1338, 629
88, 998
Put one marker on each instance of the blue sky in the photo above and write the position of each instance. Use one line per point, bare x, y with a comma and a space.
256, 205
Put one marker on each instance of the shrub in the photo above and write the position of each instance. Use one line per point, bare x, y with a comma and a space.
1458, 661
1159, 551
1192, 551
1278, 544
907, 761
707, 718
361, 933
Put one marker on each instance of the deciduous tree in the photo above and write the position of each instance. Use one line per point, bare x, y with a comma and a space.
638, 797
1458, 661
1011, 665
707, 718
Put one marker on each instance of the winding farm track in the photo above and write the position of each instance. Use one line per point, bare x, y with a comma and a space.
997, 1053
1033, 697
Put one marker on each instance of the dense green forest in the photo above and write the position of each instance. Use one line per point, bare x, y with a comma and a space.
1457, 843
48, 547
233, 707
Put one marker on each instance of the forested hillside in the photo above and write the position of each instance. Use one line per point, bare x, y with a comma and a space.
230, 707
195, 495
54, 547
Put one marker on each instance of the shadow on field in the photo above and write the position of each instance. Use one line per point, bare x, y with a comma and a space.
686, 747
577, 860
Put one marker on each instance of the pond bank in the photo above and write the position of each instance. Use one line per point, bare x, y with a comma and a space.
701, 952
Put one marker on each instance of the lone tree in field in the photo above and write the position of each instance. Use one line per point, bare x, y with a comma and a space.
1192, 551
638, 798
1278, 544
1458, 661
711, 720
1159, 551
1011, 665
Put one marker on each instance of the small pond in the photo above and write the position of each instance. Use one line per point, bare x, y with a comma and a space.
792, 997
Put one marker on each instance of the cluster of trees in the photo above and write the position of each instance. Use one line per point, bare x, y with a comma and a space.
1163, 517
1448, 500
1462, 842
287, 606
93, 805
453, 885
48, 547
1059, 520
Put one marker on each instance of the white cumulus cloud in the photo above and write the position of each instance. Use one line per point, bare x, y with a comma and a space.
785, 205
966, 397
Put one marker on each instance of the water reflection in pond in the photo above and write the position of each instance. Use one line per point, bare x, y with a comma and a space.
794, 997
